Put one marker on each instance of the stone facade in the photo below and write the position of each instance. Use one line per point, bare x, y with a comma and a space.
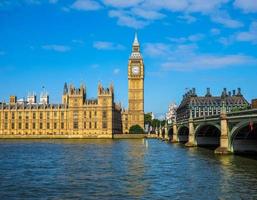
135, 113
208, 105
78, 116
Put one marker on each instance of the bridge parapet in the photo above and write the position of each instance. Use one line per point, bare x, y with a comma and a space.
250, 112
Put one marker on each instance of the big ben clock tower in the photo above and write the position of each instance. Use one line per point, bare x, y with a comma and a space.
136, 86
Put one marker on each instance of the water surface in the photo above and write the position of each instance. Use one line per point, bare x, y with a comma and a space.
121, 169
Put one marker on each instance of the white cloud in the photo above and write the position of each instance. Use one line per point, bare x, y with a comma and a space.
88, 5
249, 36
205, 6
116, 71
223, 18
203, 62
188, 18
156, 49
243, 36
147, 14
78, 41
122, 3
180, 5
103, 45
186, 57
226, 40
190, 38
65, 9
215, 31
56, 47
246, 5
126, 19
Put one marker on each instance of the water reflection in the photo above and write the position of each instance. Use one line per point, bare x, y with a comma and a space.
121, 169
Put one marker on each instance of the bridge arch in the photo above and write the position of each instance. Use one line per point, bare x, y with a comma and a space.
243, 137
208, 134
170, 133
183, 134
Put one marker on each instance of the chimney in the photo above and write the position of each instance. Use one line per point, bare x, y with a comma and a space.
239, 92
229, 93
194, 93
234, 92
13, 100
208, 92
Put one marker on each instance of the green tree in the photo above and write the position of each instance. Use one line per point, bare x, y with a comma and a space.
163, 122
136, 129
148, 118
156, 123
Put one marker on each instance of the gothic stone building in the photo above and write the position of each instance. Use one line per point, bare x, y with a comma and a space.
78, 116
209, 105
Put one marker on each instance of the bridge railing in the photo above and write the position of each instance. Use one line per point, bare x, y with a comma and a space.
206, 117
231, 115
243, 112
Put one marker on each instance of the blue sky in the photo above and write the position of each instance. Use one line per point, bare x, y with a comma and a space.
185, 43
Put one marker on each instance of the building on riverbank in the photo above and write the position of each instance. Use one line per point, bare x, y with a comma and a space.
210, 105
77, 115
254, 103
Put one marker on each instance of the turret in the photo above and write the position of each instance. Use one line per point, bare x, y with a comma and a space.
13, 100
65, 89
65, 96
135, 49
208, 92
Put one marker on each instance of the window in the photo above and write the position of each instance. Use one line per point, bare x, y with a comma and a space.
6, 115
34, 125
95, 113
41, 125
20, 127
34, 115
55, 114
90, 125
75, 115
27, 125
62, 115
75, 125
55, 125
5, 125
104, 124
48, 115
13, 126
48, 125
13, 115
90, 114
95, 125
85, 125
41, 115
62, 125
104, 114
20, 116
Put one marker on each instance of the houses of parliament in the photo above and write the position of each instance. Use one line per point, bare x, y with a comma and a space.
78, 116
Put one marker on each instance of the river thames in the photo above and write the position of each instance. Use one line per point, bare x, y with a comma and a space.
121, 169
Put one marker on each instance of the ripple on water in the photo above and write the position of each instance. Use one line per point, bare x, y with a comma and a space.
121, 169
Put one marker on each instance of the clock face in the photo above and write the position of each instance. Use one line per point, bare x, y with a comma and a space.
135, 70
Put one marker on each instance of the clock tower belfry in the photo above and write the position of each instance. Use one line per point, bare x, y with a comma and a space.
136, 86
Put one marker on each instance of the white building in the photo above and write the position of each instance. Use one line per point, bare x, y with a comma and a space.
32, 98
44, 98
171, 114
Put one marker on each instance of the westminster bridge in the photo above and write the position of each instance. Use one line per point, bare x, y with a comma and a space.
230, 132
